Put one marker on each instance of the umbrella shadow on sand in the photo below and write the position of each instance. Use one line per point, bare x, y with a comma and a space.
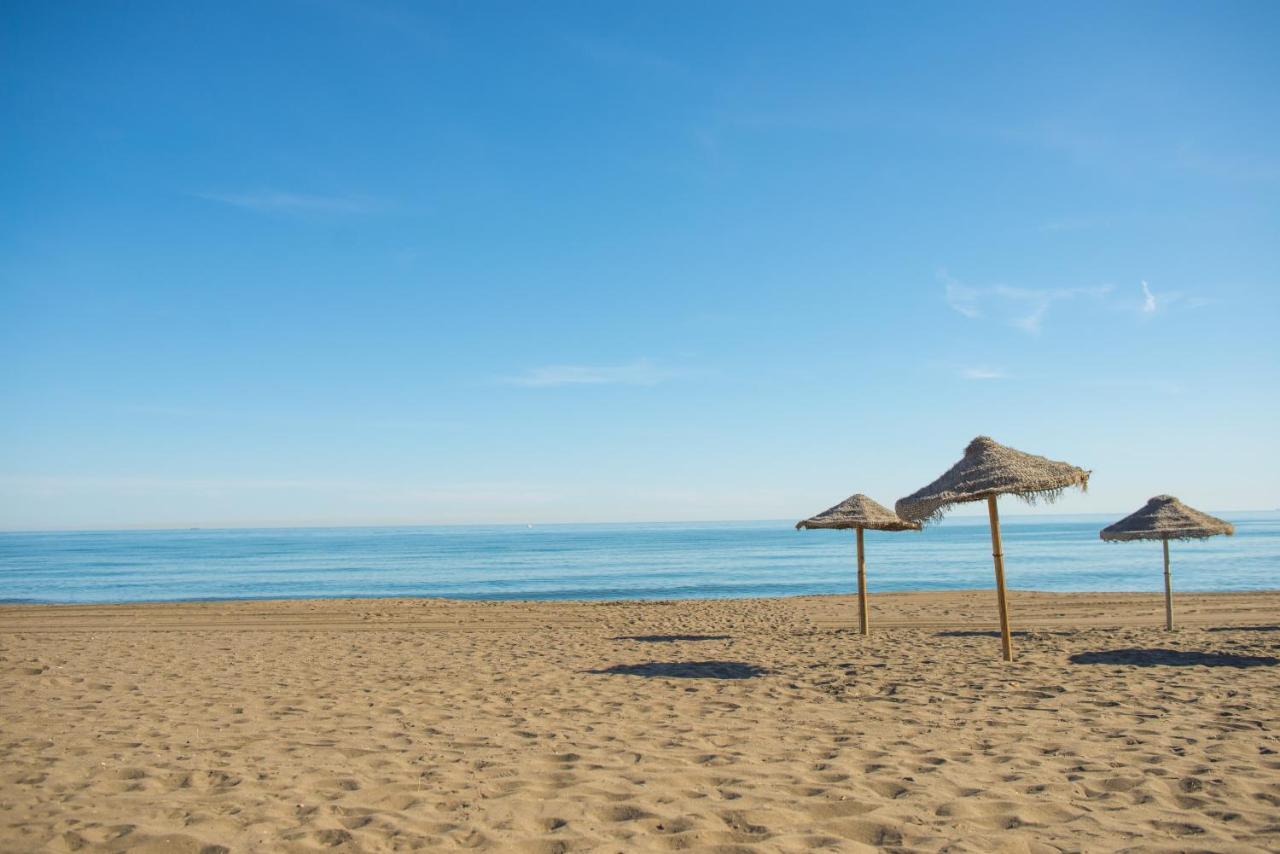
686, 670
669, 638
1244, 629
1172, 658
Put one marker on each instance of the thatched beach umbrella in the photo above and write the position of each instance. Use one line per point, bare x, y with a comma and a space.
987, 470
859, 512
1166, 518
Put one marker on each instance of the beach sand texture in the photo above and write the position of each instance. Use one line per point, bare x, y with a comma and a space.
746, 725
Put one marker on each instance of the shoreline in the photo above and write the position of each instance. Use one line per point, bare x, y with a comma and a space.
16, 605
1130, 606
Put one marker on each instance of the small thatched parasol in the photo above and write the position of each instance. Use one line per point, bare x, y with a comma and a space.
859, 512
1166, 518
987, 470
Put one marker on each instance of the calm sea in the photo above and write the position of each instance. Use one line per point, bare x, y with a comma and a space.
641, 561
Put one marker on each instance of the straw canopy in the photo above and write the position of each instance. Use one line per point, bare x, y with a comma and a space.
987, 469
1166, 518
859, 511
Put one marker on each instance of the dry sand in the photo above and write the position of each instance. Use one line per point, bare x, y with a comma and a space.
761, 725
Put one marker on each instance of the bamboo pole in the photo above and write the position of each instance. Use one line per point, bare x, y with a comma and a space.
997, 553
862, 587
1168, 589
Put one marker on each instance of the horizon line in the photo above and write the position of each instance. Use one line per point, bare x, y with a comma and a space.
142, 528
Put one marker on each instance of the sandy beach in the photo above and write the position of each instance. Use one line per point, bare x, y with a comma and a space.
745, 725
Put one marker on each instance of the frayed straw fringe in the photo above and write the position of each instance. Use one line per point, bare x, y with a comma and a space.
989, 468
1166, 518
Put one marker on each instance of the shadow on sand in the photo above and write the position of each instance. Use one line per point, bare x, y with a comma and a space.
1244, 629
686, 670
992, 633
669, 638
1172, 658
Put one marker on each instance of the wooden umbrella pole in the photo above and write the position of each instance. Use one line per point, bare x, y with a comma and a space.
862, 587
997, 553
1168, 589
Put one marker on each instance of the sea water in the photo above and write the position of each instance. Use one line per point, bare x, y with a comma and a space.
614, 561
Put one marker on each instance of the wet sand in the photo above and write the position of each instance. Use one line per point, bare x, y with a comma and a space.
748, 725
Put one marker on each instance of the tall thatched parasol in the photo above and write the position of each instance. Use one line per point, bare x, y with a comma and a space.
1166, 518
859, 512
987, 470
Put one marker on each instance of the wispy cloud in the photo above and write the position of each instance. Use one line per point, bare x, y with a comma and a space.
1166, 301
1028, 309
1032, 320
962, 299
272, 201
1022, 308
1149, 299
1036, 302
982, 373
639, 372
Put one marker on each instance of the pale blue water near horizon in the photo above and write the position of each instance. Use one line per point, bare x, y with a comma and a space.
612, 561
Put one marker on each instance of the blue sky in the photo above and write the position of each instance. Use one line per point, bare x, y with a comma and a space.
340, 262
